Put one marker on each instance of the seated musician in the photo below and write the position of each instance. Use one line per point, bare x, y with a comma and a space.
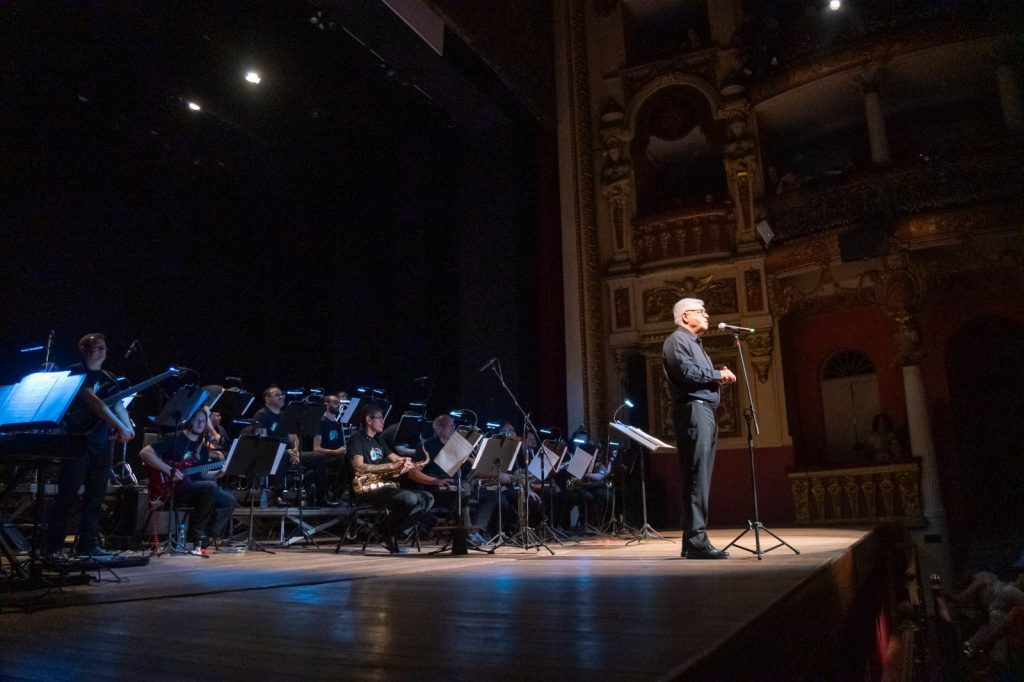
589, 494
189, 448
217, 435
330, 441
368, 454
435, 479
91, 465
268, 421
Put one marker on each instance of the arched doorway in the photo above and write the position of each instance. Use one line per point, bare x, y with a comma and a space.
985, 370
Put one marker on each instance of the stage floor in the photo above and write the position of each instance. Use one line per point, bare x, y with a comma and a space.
598, 608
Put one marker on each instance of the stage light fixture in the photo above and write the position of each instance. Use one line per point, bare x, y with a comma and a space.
193, 106
834, 5
253, 77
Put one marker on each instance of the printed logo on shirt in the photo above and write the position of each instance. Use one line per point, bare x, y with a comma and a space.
376, 454
332, 435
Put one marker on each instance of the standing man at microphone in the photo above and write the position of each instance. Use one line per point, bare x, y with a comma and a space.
695, 385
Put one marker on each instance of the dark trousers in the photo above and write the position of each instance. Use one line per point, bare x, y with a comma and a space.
212, 505
697, 440
92, 469
407, 506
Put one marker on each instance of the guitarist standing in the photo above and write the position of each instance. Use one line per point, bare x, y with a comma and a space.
167, 460
91, 467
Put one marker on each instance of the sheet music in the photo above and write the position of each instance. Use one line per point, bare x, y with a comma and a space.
646, 440
39, 398
551, 460
456, 451
500, 447
581, 463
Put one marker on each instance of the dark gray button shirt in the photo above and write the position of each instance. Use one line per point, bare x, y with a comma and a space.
688, 369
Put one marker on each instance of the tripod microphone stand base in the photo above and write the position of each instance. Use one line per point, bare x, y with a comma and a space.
759, 528
527, 538
646, 532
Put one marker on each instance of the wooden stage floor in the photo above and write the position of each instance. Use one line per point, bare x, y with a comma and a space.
599, 608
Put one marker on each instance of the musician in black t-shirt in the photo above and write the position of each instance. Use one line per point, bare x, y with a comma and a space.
368, 454
330, 442
268, 421
187, 449
92, 466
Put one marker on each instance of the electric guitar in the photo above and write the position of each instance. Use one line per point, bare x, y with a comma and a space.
161, 484
81, 419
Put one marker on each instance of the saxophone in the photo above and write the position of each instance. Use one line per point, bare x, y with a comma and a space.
384, 480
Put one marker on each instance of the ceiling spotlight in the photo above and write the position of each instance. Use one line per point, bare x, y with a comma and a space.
253, 77
193, 106
834, 5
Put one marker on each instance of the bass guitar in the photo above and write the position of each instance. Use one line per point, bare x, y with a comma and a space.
161, 484
81, 419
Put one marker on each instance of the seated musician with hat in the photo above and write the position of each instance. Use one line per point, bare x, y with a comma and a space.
371, 457
169, 458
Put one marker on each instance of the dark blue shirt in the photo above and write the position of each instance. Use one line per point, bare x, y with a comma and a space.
688, 369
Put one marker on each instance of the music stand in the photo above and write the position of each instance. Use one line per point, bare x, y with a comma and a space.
350, 410
182, 405
254, 457
453, 455
37, 400
500, 452
654, 446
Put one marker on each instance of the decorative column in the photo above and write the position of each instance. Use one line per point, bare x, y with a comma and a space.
585, 327
877, 135
616, 180
900, 289
1009, 99
744, 177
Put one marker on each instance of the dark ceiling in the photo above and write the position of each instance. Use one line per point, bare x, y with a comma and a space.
315, 212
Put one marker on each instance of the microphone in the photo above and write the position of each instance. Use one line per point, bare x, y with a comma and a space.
421, 380
131, 349
734, 328
488, 364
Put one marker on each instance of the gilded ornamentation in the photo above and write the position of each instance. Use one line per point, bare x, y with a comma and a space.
818, 490
622, 308
760, 345
835, 501
718, 296
587, 263
752, 285
850, 495
852, 491
683, 234
869, 487
799, 487
887, 488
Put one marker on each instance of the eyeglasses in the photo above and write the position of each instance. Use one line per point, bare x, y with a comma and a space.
378, 416
699, 311
275, 395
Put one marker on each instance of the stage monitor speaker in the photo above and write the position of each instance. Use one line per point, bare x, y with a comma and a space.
863, 243
764, 231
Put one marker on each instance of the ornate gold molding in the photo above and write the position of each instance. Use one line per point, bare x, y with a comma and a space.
851, 495
592, 330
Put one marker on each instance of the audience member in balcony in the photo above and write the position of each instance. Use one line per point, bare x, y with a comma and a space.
884, 440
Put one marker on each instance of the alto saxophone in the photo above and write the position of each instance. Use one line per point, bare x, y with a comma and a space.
383, 480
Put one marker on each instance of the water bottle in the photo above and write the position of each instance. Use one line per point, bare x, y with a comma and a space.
263, 499
181, 533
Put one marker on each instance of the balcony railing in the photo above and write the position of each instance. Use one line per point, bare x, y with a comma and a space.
682, 234
880, 197
874, 493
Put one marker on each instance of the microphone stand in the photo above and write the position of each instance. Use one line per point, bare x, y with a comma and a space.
751, 418
525, 537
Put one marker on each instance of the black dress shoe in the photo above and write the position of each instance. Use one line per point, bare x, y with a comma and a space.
705, 553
